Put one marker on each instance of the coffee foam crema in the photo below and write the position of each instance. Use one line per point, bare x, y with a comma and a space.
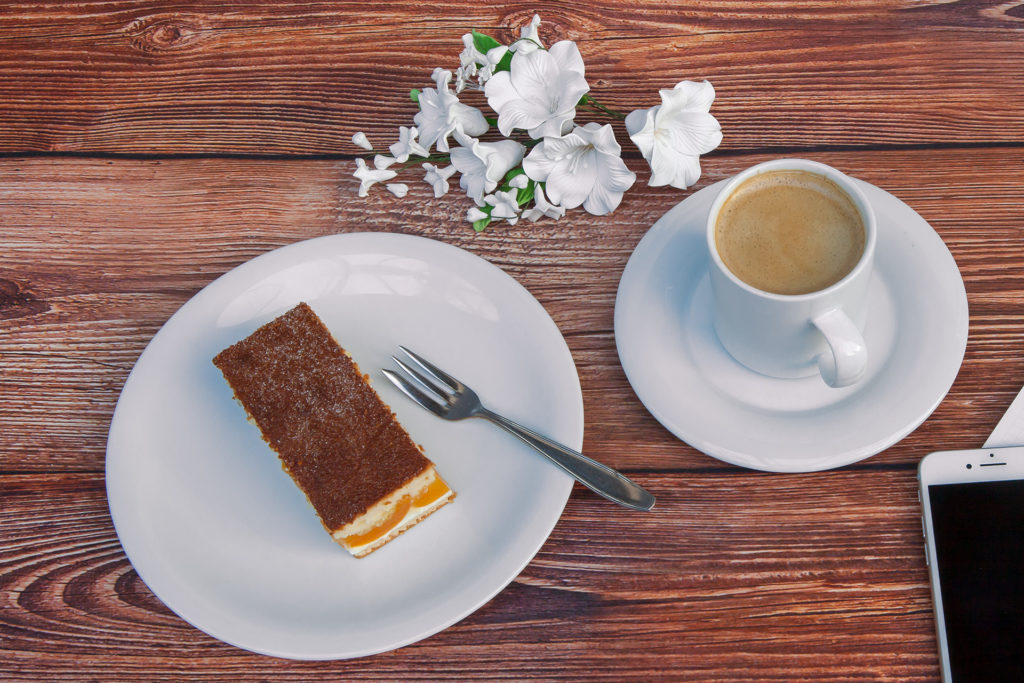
789, 232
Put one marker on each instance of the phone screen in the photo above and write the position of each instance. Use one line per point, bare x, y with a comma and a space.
979, 540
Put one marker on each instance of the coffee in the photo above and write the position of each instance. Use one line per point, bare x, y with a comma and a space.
789, 232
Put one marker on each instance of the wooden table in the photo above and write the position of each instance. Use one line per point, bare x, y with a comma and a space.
147, 148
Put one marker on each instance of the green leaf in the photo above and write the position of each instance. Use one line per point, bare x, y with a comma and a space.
483, 42
483, 222
525, 194
518, 170
505, 64
414, 95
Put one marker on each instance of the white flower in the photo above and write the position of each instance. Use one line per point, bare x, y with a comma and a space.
441, 114
491, 60
542, 208
471, 58
520, 181
541, 91
672, 135
506, 205
484, 164
361, 140
582, 167
462, 76
369, 176
474, 214
529, 38
380, 162
407, 145
438, 178
398, 189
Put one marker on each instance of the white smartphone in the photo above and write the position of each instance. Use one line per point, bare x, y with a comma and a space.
974, 543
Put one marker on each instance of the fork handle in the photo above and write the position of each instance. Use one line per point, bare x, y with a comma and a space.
600, 479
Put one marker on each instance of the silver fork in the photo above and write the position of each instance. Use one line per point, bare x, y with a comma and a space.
447, 397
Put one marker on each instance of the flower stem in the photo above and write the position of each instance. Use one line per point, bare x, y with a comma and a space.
591, 102
433, 158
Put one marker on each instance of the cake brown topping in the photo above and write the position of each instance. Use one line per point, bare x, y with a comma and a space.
341, 444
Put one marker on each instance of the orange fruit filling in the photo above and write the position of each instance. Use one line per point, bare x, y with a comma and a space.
428, 495
435, 490
387, 525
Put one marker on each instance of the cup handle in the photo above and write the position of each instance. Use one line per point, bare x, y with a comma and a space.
847, 358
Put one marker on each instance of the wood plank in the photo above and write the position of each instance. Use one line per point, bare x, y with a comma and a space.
300, 78
737, 574
98, 254
146, 148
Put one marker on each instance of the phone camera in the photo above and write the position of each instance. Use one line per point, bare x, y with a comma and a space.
968, 465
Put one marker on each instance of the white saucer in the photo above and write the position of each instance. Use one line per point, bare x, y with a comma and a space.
221, 534
916, 336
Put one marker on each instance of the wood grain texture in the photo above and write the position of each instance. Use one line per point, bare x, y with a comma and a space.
98, 254
147, 148
301, 78
735, 576
788, 577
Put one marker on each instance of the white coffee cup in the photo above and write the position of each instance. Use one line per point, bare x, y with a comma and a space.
795, 335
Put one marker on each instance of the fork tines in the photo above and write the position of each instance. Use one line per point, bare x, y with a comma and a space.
441, 378
425, 384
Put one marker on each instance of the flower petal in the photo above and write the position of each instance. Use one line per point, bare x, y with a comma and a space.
603, 138
538, 164
529, 36
689, 95
437, 178
398, 189
470, 56
474, 214
568, 55
360, 140
501, 157
469, 119
616, 175
557, 147
505, 205
637, 120
533, 74
570, 184
513, 110
678, 171
542, 207
552, 126
643, 137
441, 114
693, 133
369, 176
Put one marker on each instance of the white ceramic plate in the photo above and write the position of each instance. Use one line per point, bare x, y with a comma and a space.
221, 534
916, 336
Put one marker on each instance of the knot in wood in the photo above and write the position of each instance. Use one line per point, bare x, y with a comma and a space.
552, 29
16, 302
162, 33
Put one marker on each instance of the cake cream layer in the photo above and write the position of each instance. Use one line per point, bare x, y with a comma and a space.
394, 514
339, 442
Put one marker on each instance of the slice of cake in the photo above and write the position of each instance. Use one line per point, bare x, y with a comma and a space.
341, 444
